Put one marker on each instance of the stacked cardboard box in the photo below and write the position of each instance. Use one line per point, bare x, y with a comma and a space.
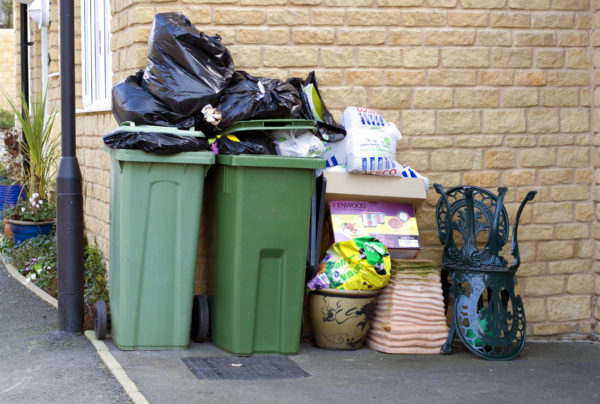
409, 316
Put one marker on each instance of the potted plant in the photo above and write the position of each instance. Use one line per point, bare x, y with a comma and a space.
40, 151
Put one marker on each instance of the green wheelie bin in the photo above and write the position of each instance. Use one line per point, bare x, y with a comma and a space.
259, 211
155, 209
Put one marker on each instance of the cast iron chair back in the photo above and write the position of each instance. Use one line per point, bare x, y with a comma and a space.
489, 318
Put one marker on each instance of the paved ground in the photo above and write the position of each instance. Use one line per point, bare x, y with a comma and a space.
37, 364
545, 373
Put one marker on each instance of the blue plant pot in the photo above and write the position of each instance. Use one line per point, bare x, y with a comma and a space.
9, 196
25, 230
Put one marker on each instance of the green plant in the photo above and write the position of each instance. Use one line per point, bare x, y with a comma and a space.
35, 258
34, 209
7, 119
40, 147
96, 284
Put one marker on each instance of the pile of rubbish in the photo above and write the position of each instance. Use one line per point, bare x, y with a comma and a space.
190, 83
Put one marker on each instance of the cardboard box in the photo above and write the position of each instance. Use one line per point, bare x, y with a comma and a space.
394, 224
374, 188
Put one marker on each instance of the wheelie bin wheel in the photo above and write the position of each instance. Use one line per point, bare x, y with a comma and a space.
200, 320
100, 319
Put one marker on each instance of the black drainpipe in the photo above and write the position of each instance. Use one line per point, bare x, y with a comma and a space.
69, 197
23, 17
24, 52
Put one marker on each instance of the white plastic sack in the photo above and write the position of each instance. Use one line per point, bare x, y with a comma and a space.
371, 145
335, 153
288, 143
357, 117
371, 142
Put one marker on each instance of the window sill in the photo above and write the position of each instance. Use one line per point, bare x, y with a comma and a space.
94, 109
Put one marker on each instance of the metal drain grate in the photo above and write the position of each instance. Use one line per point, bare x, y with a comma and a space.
244, 368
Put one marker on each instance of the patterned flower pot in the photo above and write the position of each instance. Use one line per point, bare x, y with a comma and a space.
340, 319
25, 230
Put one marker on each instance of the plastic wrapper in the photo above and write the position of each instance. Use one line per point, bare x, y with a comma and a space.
336, 153
132, 103
187, 69
313, 108
359, 264
159, 143
245, 143
249, 97
289, 143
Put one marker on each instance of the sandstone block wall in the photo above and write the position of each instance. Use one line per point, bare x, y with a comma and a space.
7, 66
486, 92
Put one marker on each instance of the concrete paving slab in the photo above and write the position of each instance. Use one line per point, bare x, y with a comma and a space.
544, 373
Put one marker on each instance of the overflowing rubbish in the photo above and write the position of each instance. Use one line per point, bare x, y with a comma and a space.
245, 143
249, 97
131, 103
314, 108
155, 139
362, 263
187, 69
289, 143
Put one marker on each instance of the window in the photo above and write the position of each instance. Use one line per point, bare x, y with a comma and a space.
96, 72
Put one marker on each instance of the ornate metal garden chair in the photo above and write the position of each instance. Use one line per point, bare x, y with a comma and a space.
472, 225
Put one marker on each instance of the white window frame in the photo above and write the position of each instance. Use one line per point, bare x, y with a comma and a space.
96, 63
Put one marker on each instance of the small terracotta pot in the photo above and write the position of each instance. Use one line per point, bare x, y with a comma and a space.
340, 319
7, 231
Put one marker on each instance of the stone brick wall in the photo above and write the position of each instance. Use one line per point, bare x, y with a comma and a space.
486, 92
7, 66
595, 42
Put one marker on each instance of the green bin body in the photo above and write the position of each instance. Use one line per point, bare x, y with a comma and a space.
259, 217
156, 203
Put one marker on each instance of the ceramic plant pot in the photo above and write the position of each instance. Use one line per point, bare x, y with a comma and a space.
9, 196
22, 230
340, 319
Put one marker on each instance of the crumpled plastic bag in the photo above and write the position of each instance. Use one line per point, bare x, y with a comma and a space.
245, 143
313, 108
159, 143
362, 263
249, 97
130, 102
187, 69
289, 143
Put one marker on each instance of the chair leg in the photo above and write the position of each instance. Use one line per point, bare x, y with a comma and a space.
447, 347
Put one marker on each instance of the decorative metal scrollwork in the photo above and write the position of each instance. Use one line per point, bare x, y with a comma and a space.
487, 315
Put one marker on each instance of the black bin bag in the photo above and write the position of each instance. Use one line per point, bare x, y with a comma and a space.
155, 139
131, 103
327, 128
246, 143
249, 97
186, 69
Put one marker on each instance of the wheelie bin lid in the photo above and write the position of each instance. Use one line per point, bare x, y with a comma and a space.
199, 157
129, 126
261, 160
271, 124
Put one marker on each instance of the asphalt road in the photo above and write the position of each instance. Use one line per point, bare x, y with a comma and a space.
40, 365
